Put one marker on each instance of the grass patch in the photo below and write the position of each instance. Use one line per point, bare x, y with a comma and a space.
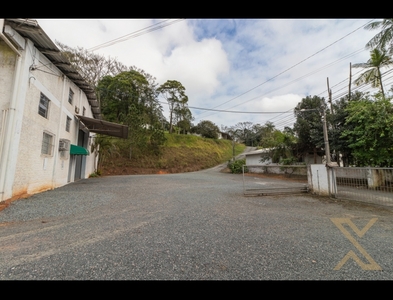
180, 153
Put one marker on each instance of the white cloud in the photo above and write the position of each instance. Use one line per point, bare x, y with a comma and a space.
242, 64
198, 66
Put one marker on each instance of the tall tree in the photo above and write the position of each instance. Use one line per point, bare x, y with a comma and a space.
268, 136
119, 92
174, 92
308, 127
383, 39
128, 98
206, 129
338, 143
242, 131
378, 59
281, 147
92, 67
184, 119
369, 135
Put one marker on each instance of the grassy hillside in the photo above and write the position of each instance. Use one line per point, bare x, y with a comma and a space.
181, 153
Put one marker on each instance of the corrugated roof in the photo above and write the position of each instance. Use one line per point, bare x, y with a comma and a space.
30, 29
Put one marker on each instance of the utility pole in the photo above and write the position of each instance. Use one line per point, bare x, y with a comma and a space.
325, 134
325, 138
350, 80
330, 96
324, 122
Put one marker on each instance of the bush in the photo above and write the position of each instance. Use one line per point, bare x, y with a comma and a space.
95, 174
236, 166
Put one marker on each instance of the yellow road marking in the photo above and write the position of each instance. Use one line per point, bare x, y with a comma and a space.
339, 223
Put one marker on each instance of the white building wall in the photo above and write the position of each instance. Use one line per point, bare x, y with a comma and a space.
30, 171
14, 118
255, 159
7, 67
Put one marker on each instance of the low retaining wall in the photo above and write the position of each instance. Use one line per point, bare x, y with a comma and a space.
300, 170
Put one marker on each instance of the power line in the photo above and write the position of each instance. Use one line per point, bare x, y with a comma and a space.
234, 111
306, 75
134, 34
293, 65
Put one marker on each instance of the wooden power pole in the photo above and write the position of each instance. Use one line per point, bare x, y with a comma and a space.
350, 80
330, 96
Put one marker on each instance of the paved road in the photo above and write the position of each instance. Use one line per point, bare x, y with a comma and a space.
192, 226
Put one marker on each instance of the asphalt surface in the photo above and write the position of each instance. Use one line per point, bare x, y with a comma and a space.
191, 226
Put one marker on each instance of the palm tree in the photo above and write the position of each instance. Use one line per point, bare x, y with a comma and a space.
378, 59
384, 37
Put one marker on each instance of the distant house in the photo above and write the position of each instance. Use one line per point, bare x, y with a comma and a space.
254, 158
49, 114
224, 135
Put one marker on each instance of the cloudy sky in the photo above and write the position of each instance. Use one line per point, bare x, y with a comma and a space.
259, 68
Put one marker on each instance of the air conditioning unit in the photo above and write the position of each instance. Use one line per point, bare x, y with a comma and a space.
63, 145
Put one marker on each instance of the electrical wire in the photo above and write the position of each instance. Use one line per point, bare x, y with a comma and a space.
362, 88
234, 111
294, 65
299, 78
134, 34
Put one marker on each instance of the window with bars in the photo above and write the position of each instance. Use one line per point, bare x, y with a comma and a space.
47, 144
68, 124
70, 96
43, 107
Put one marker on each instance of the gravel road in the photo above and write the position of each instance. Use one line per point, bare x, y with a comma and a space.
191, 226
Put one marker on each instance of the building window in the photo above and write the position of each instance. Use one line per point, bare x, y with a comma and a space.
83, 111
68, 124
43, 106
70, 96
47, 144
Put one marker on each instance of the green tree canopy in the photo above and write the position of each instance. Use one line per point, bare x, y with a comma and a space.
207, 129
128, 98
378, 60
370, 134
383, 39
174, 92
338, 144
281, 147
308, 126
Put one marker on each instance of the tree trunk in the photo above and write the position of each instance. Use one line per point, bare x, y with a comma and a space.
380, 81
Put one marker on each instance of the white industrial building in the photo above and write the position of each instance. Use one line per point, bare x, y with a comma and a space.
49, 114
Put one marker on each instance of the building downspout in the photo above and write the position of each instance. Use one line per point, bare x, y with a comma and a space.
56, 151
10, 117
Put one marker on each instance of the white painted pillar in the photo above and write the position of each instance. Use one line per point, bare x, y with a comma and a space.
318, 179
9, 153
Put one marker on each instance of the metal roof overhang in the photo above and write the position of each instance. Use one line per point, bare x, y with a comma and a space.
30, 29
104, 127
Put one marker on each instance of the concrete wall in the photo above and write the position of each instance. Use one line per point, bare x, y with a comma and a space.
318, 180
373, 177
278, 169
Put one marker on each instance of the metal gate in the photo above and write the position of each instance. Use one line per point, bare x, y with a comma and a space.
372, 185
255, 185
